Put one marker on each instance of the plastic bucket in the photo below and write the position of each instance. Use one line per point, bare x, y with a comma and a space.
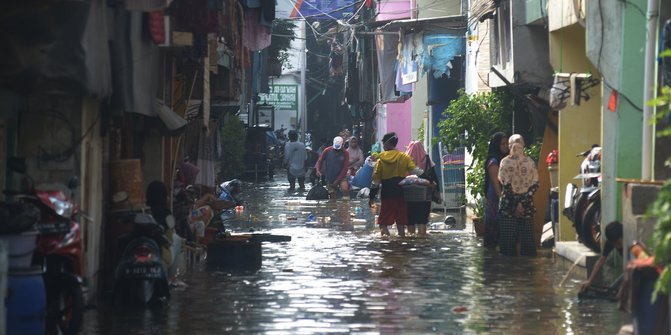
21, 248
25, 302
645, 316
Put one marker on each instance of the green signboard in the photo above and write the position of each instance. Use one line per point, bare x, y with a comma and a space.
283, 97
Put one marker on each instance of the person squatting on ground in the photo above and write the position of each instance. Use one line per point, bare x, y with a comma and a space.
391, 167
419, 211
295, 157
614, 240
519, 178
356, 157
332, 165
498, 149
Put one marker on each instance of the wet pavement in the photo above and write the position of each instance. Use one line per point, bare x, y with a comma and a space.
337, 275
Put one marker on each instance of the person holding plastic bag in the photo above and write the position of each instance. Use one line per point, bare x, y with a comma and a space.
391, 167
332, 166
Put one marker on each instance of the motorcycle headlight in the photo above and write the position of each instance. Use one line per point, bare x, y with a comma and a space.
62, 208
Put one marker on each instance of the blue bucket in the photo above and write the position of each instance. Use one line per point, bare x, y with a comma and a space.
25, 302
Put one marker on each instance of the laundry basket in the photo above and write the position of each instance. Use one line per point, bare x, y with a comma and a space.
417, 192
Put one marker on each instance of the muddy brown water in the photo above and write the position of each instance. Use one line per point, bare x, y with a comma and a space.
337, 275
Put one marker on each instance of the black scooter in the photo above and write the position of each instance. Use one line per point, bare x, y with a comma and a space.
583, 205
141, 275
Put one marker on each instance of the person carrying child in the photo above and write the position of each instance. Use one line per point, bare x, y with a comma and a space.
391, 167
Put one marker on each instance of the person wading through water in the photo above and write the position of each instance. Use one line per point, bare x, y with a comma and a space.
391, 167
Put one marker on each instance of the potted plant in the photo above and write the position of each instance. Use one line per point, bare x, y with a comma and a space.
470, 120
479, 217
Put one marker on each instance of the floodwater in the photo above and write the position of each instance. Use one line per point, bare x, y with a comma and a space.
339, 276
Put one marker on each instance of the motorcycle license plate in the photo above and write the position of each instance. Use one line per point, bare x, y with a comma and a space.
144, 271
53, 227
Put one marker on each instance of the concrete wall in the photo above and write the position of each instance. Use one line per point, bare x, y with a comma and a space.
433, 8
561, 14
579, 126
393, 10
399, 120
535, 11
477, 58
420, 99
531, 63
604, 49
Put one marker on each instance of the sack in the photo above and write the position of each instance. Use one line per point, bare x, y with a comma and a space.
559, 93
430, 175
317, 192
363, 177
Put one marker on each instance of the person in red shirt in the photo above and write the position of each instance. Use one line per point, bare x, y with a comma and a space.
332, 166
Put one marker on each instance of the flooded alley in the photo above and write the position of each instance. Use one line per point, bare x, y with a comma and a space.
340, 276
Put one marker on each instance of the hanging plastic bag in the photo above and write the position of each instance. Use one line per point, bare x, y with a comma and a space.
317, 192
363, 177
559, 93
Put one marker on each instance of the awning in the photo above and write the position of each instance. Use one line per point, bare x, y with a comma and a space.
482, 10
171, 119
442, 24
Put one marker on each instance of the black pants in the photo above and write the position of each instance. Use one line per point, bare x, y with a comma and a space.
292, 181
513, 228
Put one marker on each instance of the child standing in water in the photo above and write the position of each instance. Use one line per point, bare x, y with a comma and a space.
391, 167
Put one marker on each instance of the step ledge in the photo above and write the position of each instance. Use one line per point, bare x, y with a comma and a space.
575, 251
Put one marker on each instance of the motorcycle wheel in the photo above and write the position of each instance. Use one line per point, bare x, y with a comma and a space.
65, 309
579, 211
144, 290
591, 227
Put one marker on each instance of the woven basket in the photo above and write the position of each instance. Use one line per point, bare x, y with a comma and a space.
415, 192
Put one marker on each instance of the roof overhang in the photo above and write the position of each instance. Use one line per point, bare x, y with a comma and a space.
438, 24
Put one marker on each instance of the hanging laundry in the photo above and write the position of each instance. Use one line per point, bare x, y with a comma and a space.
256, 36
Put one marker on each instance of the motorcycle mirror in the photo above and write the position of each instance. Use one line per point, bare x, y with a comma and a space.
119, 197
17, 164
73, 183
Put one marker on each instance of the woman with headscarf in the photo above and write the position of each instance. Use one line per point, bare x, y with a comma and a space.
498, 149
418, 211
519, 178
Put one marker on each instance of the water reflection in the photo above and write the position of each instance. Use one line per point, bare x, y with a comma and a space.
339, 276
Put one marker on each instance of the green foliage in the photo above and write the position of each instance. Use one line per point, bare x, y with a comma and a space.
470, 121
475, 178
420, 133
283, 33
233, 137
661, 236
661, 208
533, 150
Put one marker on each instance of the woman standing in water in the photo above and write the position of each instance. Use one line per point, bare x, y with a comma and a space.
519, 178
419, 211
498, 149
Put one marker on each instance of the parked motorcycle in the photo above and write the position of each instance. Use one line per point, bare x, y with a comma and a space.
583, 205
141, 274
59, 250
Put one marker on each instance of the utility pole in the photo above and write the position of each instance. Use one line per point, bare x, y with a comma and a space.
649, 90
304, 61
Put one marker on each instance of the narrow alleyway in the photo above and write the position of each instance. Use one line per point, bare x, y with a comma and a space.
339, 276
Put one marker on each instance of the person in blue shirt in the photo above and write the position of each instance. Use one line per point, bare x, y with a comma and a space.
230, 191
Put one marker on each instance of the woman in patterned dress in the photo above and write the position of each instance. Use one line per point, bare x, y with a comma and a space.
519, 177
